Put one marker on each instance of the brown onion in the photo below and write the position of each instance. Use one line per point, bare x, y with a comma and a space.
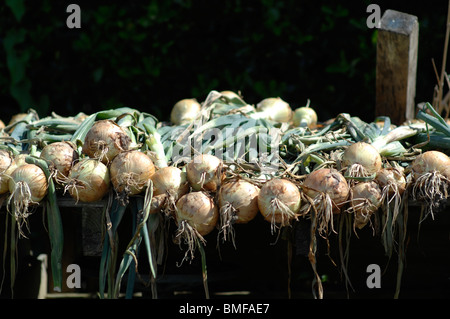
60, 157
104, 140
6, 168
185, 111
366, 199
204, 172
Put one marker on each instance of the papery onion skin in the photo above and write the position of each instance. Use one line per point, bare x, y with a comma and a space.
204, 172
363, 154
366, 199
242, 196
185, 111
91, 180
276, 109
6, 161
281, 190
105, 134
170, 180
130, 171
34, 177
199, 211
60, 156
328, 181
428, 162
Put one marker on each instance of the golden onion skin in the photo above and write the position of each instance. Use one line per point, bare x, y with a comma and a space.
92, 180
60, 156
170, 180
6, 168
363, 154
428, 162
184, 111
105, 133
133, 169
388, 177
199, 211
284, 191
242, 196
34, 177
205, 165
305, 115
329, 181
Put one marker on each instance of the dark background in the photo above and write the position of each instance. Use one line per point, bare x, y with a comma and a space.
149, 54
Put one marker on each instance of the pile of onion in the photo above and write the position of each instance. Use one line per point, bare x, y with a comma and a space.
185, 111
327, 191
169, 184
279, 202
104, 140
204, 172
27, 186
365, 199
238, 204
431, 180
60, 157
130, 172
361, 159
196, 216
88, 181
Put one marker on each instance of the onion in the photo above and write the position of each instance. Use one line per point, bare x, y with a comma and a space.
274, 109
60, 157
17, 161
88, 181
6, 168
130, 172
28, 186
431, 180
196, 216
279, 201
391, 179
204, 172
238, 203
104, 140
366, 199
305, 116
328, 191
361, 160
185, 111
170, 183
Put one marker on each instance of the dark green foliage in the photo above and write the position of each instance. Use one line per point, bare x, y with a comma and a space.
148, 55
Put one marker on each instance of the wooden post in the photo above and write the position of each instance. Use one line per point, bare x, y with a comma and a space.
397, 43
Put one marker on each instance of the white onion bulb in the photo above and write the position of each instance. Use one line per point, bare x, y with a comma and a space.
275, 109
361, 159
185, 111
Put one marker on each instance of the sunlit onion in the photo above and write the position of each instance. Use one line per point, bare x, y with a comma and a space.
88, 181
196, 216
275, 109
328, 190
6, 161
238, 203
305, 116
185, 111
361, 160
130, 172
105, 140
279, 201
204, 172
366, 199
60, 157
170, 183
430, 180
27, 186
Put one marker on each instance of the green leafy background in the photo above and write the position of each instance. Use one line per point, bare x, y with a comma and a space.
149, 54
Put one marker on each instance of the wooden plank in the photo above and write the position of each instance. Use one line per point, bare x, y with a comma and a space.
397, 45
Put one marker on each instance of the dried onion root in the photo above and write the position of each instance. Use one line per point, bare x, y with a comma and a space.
60, 157
365, 199
204, 172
